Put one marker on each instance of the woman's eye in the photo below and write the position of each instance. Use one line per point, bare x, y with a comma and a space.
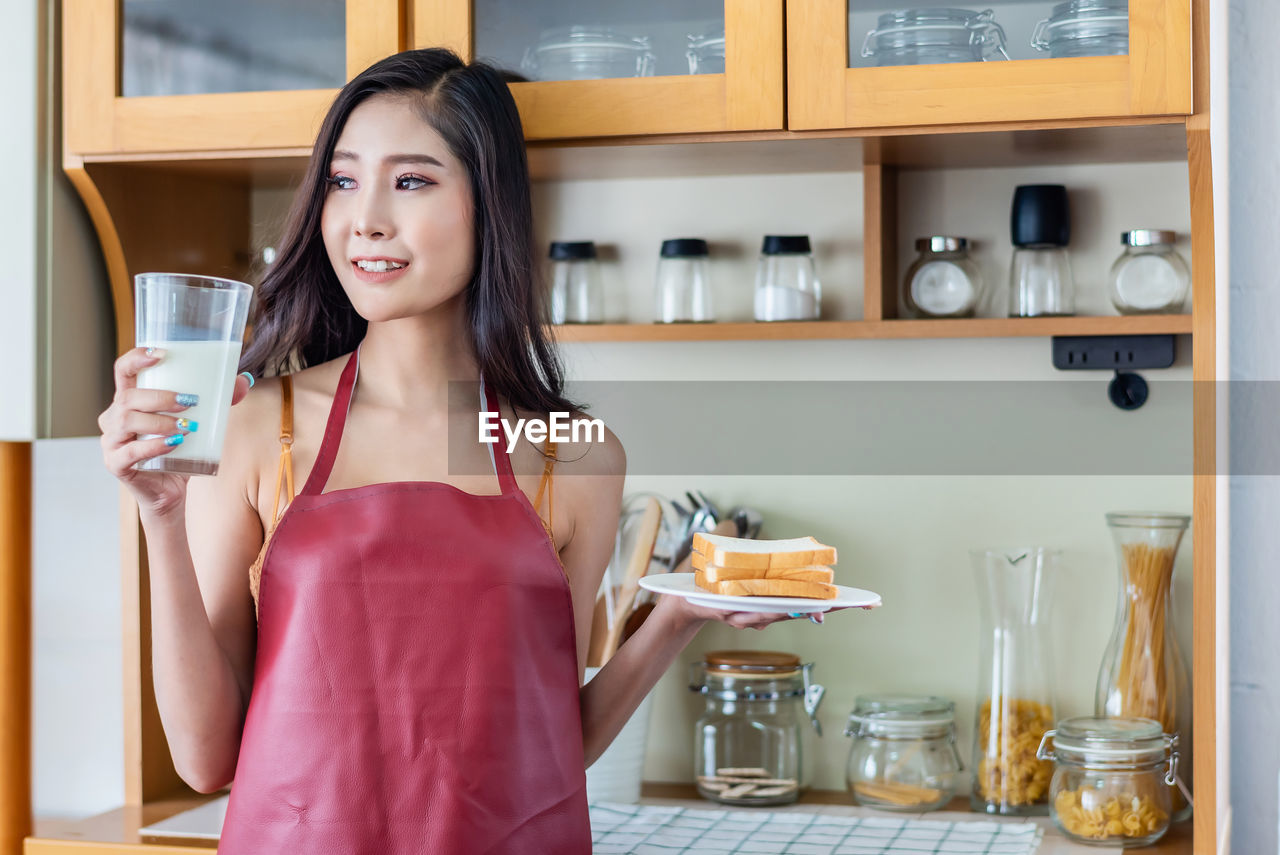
341, 182
411, 182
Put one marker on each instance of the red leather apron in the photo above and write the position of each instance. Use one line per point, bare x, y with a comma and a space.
416, 682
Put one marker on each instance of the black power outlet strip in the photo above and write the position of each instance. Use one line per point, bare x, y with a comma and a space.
1112, 352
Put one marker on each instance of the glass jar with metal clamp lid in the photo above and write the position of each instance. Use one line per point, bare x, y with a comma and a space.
1150, 276
943, 281
1084, 28
753, 743
929, 36
1113, 779
904, 754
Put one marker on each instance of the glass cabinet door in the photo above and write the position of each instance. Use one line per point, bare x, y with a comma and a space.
940, 62
881, 33
586, 40
194, 47
179, 76
583, 68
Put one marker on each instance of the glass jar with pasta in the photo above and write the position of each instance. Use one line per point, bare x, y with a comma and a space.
1016, 681
1112, 779
1143, 673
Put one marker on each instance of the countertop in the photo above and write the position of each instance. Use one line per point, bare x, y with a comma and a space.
116, 832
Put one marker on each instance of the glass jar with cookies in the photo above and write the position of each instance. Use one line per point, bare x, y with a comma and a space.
754, 741
1016, 680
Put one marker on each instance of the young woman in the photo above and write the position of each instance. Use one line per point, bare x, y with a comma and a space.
394, 664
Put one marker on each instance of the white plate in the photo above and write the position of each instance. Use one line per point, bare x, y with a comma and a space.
681, 585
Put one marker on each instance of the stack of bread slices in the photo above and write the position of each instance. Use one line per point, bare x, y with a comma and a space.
796, 567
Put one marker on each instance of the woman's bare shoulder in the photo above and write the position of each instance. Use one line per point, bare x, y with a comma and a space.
591, 448
252, 445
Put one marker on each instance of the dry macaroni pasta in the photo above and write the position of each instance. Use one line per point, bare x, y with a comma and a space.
1125, 815
1008, 771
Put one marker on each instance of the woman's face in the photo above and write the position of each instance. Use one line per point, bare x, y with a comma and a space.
398, 213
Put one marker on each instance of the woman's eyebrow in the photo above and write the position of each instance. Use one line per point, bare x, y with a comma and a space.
392, 158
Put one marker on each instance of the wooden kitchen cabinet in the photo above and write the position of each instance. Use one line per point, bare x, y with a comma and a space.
216, 76
746, 96
831, 85
169, 180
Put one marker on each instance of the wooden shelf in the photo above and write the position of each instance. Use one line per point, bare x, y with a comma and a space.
937, 328
1012, 144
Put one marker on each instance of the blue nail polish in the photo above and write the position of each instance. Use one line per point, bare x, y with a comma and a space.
795, 614
246, 375
187, 426
171, 441
188, 400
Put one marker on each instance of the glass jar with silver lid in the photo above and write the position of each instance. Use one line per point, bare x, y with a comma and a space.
706, 53
755, 741
1084, 28
903, 756
1149, 277
943, 281
929, 36
1113, 779
588, 53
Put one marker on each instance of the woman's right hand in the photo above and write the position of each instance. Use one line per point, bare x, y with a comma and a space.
138, 412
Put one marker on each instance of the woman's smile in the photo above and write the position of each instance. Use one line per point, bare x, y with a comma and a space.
378, 269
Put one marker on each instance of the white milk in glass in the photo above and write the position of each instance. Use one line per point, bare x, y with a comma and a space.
207, 369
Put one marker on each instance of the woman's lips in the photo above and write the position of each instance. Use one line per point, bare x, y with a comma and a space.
377, 278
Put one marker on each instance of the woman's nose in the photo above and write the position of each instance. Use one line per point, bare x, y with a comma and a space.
372, 218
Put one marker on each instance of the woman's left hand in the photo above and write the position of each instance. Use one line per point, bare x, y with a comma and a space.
684, 610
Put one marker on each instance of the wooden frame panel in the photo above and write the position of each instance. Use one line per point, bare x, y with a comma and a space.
747, 97
1154, 79
99, 120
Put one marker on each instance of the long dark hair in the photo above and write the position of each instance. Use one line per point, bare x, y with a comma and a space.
304, 317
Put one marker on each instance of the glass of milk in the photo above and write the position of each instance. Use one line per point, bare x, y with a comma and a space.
199, 322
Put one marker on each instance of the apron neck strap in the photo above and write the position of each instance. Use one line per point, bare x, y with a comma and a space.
333, 430
498, 456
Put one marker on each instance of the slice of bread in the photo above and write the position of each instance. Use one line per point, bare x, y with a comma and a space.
822, 575
773, 588
744, 553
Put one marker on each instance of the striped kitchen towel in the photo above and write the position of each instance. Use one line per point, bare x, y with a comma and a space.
618, 829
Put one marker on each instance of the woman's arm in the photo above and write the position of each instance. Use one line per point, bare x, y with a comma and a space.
591, 479
202, 641
615, 693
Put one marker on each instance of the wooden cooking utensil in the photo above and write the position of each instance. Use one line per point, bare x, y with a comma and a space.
642, 610
637, 565
599, 629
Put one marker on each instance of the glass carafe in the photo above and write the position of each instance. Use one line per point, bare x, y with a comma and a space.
1143, 673
1016, 680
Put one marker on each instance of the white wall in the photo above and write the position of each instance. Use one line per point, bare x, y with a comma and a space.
1254, 122
20, 65
78, 701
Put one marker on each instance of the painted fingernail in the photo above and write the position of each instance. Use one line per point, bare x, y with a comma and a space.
187, 400
246, 375
187, 426
795, 614
176, 439
155, 352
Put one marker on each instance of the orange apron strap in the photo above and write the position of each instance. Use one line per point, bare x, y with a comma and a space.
550, 450
284, 478
284, 472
